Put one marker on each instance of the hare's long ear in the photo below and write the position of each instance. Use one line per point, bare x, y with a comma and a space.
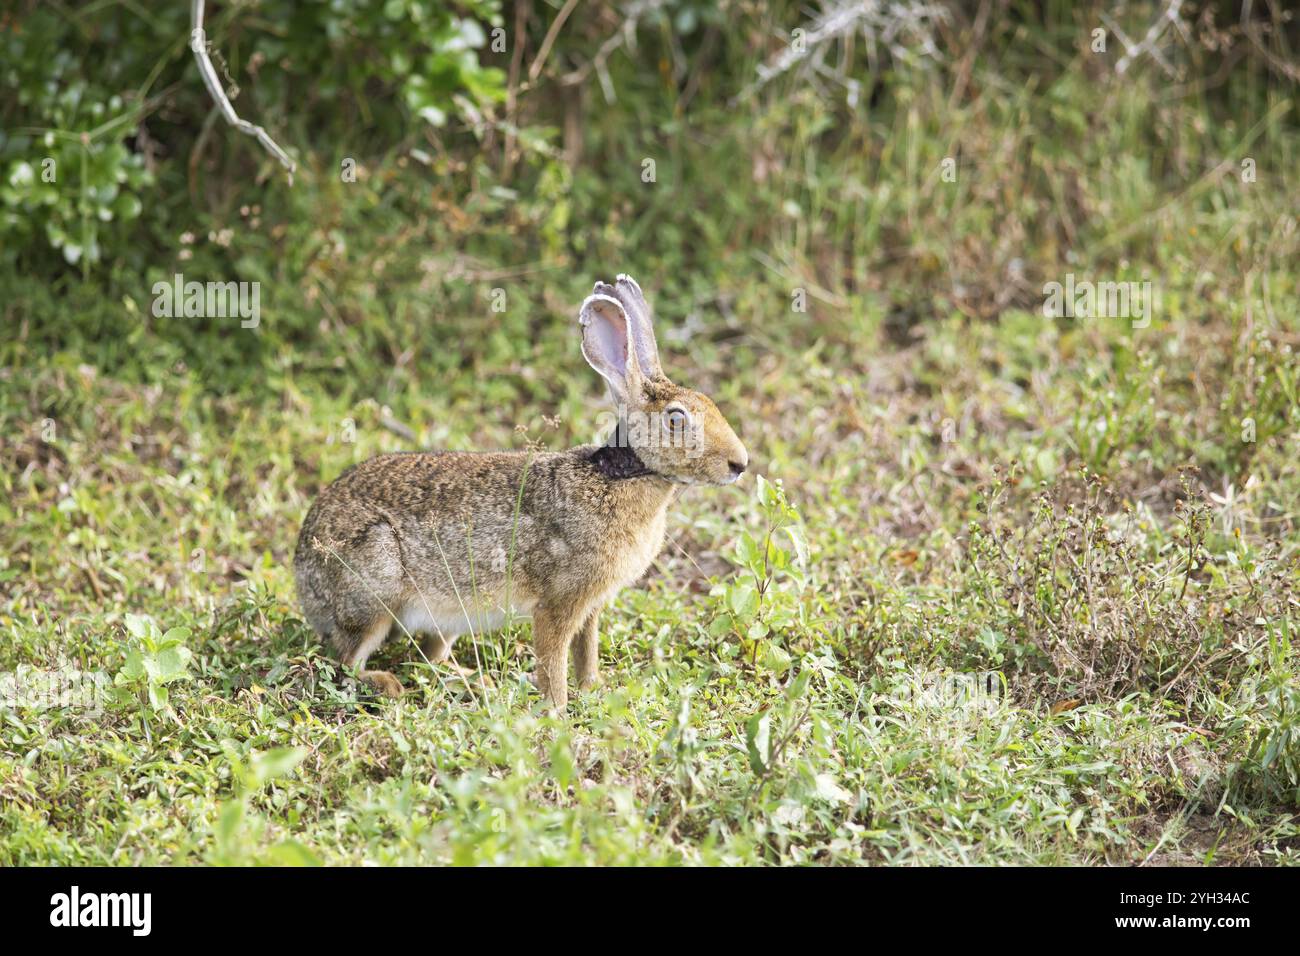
607, 345
629, 295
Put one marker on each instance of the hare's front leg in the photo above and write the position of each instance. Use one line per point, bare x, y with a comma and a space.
553, 630
586, 652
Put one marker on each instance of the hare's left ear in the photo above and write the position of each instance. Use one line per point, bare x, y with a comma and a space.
607, 345
629, 295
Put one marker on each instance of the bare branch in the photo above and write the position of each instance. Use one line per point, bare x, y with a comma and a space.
880, 22
199, 44
1134, 51
535, 70
625, 36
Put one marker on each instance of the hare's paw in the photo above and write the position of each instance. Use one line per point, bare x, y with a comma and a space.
589, 682
384, 682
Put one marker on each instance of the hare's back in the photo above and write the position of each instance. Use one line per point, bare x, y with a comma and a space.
406, 486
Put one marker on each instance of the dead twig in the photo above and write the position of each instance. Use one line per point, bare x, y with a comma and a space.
199, 44
535, 70
1147, 46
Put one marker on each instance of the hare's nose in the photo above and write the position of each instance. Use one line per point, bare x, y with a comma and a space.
738, 467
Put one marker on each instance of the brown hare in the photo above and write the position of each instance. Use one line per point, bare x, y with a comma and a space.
449, 542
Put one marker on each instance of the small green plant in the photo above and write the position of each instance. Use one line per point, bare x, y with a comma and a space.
153, 660
761, 603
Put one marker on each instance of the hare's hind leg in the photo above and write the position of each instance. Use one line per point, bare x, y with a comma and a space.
355, 653
586, 653
436, 648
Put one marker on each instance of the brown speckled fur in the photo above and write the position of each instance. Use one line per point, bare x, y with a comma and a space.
448, 544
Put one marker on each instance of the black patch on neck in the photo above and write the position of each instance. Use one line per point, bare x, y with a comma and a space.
616, 461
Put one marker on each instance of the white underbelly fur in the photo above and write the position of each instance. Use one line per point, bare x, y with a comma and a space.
450, 620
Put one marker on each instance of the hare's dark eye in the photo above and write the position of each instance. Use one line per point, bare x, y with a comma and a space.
676, 420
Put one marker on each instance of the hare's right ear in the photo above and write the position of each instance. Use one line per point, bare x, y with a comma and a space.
607, 346
640, 322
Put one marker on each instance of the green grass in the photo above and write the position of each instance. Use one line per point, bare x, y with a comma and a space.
1025, 591
813, 725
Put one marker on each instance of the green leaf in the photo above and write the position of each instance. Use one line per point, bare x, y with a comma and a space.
776, 658
137, 625
1073, 823
292, 853
265, 767
433, 115
229, 821
748, 552
469, 35
758, 741
133, 669
173, 661
562, 767
743, 599
800, 544
799, 686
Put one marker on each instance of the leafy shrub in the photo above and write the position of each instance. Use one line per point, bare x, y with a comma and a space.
331, 68
66, 171
1074, 595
